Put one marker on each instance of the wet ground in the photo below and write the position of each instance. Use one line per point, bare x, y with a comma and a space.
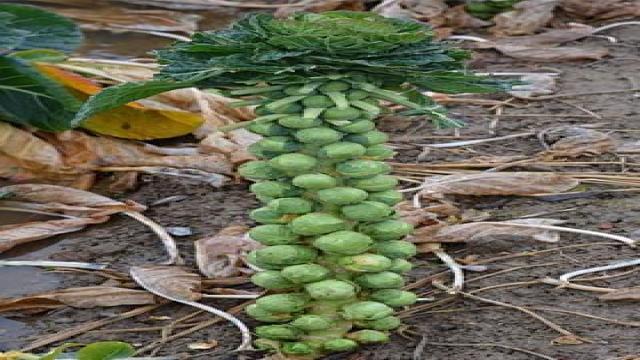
123, 243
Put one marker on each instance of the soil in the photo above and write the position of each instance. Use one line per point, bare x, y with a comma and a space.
123, 242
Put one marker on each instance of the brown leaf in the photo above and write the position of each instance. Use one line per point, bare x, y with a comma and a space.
81, 297
457, 18
564, 53
203, 345
498, 183
526, 17
536, 85
567, 340
549, 38
632, 147
574, 141
171, 282
322, 6
16, 234
601, 9
221, 255
632, 293
475, 232
425, 10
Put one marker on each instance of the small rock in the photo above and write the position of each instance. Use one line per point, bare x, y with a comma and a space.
179, 230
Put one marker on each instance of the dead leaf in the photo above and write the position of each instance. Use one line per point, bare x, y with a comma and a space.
457, 18
632, 293
498, 183
563, 53
204, 345
536, 85
170, 281
526, 17
322, 6
222, 254
424, 10
81, 297
601, 9
632, 147
567, 340
475, 232
574, 141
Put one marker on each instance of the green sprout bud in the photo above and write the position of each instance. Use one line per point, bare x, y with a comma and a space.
369, 138
274, 234
362, 168
341, 151
366, 310
341, 195
379, 152
396, 249
333, 86
400, 266
260, 314
291, 205
274, 189
268, 129
283, 303
367, 211
357, 127
335, 113
357, 95
384, 324
339, 345
369, 336
258, 170
317, 101
394, 297
286, 255
265, 215
266, 344
366, 263
318, 135
271, 280
375, 183
299, 122
314, 181
279, 144
389, 197
296, 348
343, 243
331, 290
381, 280
311, 323
316, 224
293, 163
305, 273
278, 332
387, 229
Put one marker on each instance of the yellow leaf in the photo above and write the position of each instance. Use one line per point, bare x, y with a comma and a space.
132, 121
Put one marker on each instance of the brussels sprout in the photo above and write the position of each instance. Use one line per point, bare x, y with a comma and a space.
293, 163
305, 273
299, 122
334, 85
273, 234
291, 108
357, 126
317, 101
279, 144
314, 181
384, 324
366, 263
266, 344
259, 170
394, 297
256, 150
295, 90
311, 323
316, 224
274, 189
369, 138
366, 310
296, 348
389, 197
396, 249
366, 211
338, 345
278, 332
318, 135
341, 195
369, 336
286, 254
253, 260
362, 168
268, 129
341, 151
357, 94
259, 314
335, 113
381, 280
283, 303
343, 243
271, 280
331, 290
266, 215
375, 183
387, 229
400, 266
291, 205
379, 152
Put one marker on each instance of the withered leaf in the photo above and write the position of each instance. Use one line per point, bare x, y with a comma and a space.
563, 53
601, 9
574, 141
632, 293
222, 254
526, 17
171, 282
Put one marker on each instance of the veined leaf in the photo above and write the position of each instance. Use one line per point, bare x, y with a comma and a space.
105, 350
28, 27
29, 98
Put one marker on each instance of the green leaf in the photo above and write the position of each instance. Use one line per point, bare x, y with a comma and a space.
30, 98
105, 350
116, 96
40, 55
56, 352
28, 27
